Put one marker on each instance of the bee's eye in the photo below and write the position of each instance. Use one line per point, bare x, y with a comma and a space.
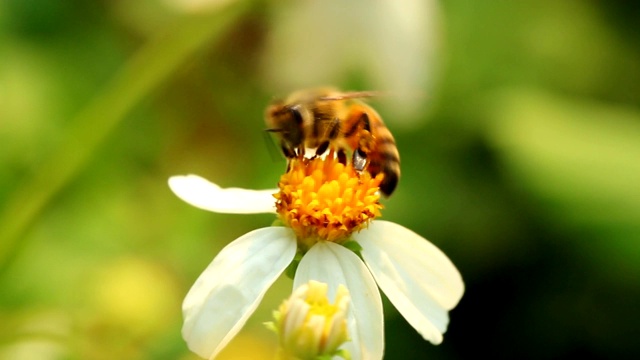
295, 113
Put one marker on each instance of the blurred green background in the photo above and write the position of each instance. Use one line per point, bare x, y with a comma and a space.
518, 123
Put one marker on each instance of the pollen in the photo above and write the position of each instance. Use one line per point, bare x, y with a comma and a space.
323, 199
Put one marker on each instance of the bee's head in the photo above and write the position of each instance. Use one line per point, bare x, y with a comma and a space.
286, 121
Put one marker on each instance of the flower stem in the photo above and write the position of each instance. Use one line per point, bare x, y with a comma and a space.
146, 69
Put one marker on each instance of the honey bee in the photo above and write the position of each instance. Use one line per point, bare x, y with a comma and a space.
326, 118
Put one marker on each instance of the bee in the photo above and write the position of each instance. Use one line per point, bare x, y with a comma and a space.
326, 118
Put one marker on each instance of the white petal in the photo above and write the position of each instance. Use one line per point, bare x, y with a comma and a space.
418, 278
333, 264
232, 286
206, 195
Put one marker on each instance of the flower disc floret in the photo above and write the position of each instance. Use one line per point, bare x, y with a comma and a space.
323, 199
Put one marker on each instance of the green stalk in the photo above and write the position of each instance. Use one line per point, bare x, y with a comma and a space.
144, 72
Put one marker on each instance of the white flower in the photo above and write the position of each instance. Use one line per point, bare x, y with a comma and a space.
419, 280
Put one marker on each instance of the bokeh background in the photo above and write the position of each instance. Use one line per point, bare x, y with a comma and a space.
518, 123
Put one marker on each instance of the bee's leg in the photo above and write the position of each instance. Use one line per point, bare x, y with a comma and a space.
322, 148
365, 143
300, 151
289, 153
342, 157
333, 130
287, 150
331, 133
364, 119
359, 160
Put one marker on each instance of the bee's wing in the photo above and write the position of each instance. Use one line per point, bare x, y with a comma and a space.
350, 95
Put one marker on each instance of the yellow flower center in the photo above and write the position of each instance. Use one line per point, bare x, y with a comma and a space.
322, 199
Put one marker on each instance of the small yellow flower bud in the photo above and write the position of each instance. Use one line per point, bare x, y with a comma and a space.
311, 328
